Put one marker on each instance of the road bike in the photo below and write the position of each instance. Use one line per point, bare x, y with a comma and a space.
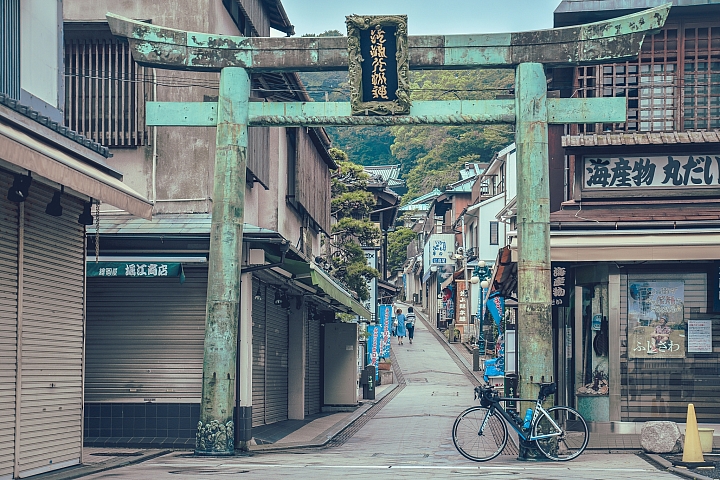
480, 433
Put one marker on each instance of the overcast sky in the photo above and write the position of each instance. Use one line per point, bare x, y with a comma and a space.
426, 17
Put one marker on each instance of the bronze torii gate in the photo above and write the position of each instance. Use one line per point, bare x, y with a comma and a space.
531, 111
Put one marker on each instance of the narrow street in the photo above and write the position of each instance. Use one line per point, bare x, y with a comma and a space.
407, 438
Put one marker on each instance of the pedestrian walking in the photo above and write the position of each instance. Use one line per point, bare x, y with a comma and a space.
400, 331
410, 324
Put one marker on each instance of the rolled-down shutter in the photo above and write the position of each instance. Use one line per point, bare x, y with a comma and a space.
8, 329
312, 375
52, 334
258, 354
276, 379
145, 337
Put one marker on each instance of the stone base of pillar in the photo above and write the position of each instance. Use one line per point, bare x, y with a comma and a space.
215, 439
529, 452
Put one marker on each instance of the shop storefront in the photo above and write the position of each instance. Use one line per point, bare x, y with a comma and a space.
637, 338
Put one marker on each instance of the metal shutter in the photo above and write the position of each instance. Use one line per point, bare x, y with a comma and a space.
8, 325
258, 354
145, 337
312, 365
276, 377
52, 335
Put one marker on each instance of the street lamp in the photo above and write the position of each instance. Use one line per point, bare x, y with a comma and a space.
481, 275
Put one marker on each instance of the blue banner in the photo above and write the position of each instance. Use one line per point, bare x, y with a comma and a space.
373, 347
496, 307
385, 317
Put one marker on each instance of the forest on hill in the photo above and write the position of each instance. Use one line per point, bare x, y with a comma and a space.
429, 156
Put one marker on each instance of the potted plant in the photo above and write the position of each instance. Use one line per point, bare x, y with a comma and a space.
385, 364
593, 399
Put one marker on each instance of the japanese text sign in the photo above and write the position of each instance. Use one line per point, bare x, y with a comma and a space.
134, 269
664, 173
561, 284
378, 64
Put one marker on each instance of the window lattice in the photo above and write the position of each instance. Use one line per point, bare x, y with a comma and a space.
701, 78
105, 92
649, 85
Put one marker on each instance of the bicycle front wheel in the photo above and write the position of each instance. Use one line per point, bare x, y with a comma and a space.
476, 445
572, 440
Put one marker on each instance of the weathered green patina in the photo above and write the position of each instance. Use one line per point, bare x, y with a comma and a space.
613, 39
533, 227
531, 110
216, 432
455, 112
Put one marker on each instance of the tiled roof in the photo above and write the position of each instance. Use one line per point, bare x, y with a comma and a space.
52, 125
386, 172
472, 170
655, 138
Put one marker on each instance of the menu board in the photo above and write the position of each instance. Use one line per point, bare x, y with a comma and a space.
699, 336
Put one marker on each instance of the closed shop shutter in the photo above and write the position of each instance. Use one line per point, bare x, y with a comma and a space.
8, 319
656, 388
258, 354
52, 334
145, 338
276, 378
312, 375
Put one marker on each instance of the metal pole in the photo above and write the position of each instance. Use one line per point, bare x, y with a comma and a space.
533, 219
216, 429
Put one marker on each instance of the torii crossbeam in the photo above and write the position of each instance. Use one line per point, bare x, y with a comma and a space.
531, 111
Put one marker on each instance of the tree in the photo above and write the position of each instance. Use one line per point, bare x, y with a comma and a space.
398, 242
430, 156
350, 206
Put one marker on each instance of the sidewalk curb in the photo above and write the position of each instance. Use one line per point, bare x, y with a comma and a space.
667, 465
82, 470
325, 437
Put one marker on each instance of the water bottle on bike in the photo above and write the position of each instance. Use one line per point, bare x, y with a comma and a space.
528, 419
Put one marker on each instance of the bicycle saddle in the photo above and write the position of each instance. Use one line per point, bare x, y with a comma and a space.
547, 389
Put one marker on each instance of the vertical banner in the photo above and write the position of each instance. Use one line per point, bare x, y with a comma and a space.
385, 315
373, 347
562, 284
371, 302
656, 323
462, 299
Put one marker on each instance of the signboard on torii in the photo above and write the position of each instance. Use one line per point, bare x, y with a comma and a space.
531, 111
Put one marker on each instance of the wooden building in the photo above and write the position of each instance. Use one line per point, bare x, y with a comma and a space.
145, 335
639, 228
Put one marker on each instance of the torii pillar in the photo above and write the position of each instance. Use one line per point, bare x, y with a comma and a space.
531, 110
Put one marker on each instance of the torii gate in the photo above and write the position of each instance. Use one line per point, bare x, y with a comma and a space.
531, 111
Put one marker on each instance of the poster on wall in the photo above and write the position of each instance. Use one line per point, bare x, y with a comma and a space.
699, 339
656, 323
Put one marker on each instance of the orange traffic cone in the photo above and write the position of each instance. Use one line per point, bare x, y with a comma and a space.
692, 452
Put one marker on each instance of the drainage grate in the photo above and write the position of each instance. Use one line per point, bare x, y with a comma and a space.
417, 380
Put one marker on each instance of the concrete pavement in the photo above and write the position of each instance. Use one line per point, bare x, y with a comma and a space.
407, 433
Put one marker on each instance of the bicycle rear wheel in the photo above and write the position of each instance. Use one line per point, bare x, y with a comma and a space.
473, 444
571, 442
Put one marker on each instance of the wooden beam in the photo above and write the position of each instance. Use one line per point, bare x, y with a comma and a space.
614, 39
456, 112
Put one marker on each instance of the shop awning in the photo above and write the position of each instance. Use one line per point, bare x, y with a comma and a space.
20, 149
324, 282
619, 246
313, 276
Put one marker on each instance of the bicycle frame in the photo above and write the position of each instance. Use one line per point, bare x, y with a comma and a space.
539, 411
